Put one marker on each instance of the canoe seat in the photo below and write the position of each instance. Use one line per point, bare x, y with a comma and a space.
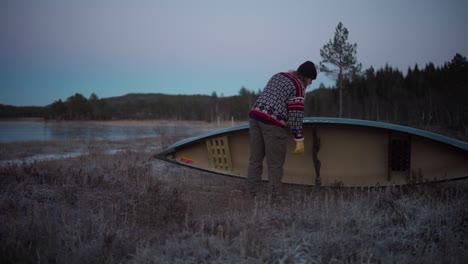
399, 155
218, 153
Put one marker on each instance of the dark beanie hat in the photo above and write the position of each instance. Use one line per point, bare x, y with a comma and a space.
307, 69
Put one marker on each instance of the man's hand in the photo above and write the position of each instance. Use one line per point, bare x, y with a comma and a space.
299, 148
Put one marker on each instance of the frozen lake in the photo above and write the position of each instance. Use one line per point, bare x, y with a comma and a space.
27, 130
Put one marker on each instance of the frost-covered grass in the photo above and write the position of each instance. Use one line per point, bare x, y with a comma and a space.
127, 207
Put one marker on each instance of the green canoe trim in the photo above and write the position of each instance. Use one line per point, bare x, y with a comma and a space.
326, 120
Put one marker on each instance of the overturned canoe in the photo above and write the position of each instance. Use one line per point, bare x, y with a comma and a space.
338, 152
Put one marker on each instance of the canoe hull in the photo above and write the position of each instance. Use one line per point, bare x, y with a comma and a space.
338, 152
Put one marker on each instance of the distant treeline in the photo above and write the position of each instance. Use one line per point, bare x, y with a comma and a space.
152, 106
433, 96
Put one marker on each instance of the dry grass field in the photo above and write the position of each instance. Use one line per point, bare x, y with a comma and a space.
117, 204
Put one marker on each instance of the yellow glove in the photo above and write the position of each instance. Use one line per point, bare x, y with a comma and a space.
299, 148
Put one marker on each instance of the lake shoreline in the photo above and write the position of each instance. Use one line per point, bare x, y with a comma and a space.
27, 130
134, 122
34, 150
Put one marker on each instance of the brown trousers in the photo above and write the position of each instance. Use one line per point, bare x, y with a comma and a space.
270, 141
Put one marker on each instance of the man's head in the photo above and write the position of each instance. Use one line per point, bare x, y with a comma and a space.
307, 70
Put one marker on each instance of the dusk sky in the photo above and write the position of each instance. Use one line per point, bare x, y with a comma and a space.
52, 49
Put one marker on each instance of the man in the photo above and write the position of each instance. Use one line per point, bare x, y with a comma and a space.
280, 106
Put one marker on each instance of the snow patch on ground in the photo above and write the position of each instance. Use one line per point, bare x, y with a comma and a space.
50, 157
41, 157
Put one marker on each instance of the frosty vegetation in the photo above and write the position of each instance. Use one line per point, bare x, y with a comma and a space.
127, 207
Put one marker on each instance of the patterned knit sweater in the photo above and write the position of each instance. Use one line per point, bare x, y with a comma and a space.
282, 103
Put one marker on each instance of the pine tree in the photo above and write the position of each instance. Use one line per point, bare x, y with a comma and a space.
339, 59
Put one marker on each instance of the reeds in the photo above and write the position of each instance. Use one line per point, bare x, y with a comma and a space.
128, 207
